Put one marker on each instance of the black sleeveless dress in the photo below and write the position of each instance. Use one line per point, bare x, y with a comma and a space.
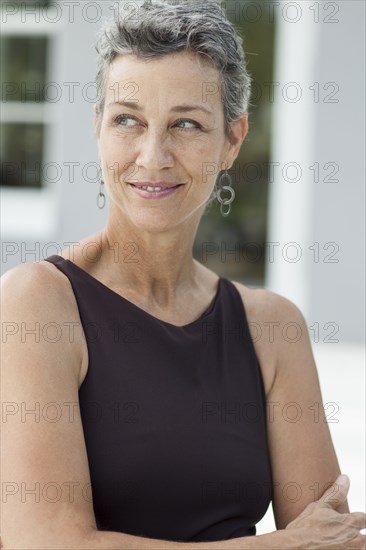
174, 418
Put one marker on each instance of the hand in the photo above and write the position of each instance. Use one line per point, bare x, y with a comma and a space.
321, 526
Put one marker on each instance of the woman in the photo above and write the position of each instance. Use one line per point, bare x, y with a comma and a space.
161, 421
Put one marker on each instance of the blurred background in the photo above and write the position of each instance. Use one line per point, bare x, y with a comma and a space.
297, 224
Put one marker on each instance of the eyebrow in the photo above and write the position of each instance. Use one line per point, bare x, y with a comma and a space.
177, 108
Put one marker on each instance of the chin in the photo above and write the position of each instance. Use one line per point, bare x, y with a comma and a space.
153, 222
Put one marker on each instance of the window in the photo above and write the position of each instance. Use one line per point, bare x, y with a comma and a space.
23, 61
28, 30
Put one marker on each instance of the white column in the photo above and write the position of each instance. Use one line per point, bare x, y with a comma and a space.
290, 192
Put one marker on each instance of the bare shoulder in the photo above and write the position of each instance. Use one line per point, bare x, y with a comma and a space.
38, 285
273, 321
34, 273
38, 294
262, 303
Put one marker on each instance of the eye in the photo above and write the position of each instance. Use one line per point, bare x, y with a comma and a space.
121, 118
184, 120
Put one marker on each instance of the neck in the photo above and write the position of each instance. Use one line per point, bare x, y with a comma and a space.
158, 264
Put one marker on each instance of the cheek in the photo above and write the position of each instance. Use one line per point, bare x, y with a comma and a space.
203, 180
115, 157
206, 162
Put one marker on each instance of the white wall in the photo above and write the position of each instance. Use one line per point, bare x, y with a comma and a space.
327, 281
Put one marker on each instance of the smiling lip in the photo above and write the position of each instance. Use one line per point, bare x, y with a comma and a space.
151, 193
165, 184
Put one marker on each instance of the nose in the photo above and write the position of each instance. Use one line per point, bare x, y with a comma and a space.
155, 150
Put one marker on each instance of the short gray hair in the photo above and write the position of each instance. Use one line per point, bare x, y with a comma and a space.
153, 28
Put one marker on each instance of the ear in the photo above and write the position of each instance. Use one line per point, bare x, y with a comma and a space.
96, 121
97, 132
239, 129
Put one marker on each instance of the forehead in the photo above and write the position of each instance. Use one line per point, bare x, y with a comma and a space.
181, 75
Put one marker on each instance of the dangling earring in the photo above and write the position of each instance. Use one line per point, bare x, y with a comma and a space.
225, 202
101, 196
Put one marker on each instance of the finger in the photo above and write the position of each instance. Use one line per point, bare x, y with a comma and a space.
361, 542
336, 494
358, 542
356, 520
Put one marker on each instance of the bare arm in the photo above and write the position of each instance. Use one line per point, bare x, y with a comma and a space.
45, 477
280, 540
318, 527
303, 458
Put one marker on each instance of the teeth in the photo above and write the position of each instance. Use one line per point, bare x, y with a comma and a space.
151, 189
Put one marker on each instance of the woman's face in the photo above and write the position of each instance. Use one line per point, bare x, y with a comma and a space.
171, 130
